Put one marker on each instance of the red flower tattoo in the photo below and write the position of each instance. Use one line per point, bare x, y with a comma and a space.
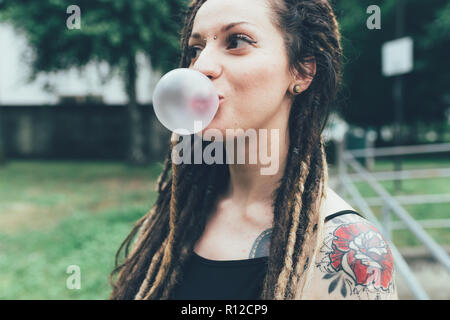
360, 250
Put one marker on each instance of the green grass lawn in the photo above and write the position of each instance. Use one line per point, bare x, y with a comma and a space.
57, 214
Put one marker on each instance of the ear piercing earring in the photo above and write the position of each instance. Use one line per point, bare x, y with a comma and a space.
297, 89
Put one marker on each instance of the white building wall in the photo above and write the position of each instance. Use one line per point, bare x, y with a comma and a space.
15, 90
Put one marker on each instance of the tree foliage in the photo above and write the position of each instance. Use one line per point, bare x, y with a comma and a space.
367, 98
112, 31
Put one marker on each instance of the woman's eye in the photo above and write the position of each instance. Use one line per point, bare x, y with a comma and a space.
191, 52
232, 40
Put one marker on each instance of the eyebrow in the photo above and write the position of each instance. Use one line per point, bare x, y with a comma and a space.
197, 35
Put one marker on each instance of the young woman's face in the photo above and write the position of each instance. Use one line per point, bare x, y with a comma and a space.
247, 63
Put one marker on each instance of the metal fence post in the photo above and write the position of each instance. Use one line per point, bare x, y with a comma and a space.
371, 137
386, 213
341, 167
2, 145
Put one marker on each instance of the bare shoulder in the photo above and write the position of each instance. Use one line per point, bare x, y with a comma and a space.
333, 203
354, 261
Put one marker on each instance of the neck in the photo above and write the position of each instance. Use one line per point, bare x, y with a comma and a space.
252, 183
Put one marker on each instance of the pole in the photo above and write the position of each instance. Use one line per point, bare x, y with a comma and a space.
398, 95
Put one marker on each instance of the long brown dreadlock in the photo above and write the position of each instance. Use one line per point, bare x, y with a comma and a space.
169, 231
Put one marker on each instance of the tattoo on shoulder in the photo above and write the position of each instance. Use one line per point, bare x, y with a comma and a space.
261, 246
357, 261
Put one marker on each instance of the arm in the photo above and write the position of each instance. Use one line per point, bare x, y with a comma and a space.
354, 262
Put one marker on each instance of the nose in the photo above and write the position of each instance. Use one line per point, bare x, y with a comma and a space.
207, 63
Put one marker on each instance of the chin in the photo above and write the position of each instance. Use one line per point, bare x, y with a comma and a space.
212, 132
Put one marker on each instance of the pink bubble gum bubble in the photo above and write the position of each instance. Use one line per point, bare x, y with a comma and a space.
184, 97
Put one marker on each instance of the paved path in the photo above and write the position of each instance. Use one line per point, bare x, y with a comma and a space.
431, 275
434, 279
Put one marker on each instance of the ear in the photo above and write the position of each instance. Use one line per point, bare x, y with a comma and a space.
310, 66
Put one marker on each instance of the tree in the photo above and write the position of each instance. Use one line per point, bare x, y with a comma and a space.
366, 98
114, 31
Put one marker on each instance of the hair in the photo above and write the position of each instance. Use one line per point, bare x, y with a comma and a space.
166, 235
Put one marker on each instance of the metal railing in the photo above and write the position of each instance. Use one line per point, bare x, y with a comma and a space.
400, 264
390, 203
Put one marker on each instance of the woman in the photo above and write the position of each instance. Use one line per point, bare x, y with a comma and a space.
224, 231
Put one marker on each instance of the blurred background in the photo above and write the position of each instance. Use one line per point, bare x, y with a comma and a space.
81, 148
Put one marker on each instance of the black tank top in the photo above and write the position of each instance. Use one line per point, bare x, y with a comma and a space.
206, 279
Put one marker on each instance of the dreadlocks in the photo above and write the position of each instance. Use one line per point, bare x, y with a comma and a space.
169, 231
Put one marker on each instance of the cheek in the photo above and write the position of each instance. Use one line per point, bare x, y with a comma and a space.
257, 88
262, 89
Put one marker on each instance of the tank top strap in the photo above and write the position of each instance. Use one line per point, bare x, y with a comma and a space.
340, 213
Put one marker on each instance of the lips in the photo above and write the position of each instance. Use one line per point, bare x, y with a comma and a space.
199, 105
